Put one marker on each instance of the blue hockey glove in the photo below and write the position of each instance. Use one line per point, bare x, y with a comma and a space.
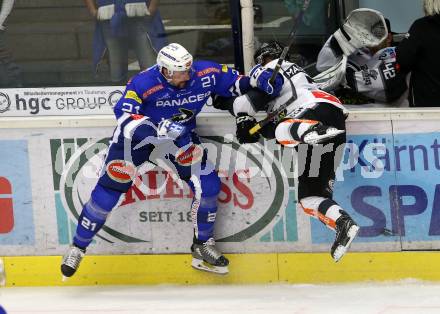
259, 78
171, 129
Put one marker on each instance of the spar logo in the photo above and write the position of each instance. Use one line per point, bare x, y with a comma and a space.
158, 205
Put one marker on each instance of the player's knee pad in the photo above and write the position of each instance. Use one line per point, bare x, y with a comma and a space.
324, 209
210, 184
104, 200
289, 131
206, 185
188, 162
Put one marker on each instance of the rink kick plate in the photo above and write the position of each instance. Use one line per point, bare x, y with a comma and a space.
244, 269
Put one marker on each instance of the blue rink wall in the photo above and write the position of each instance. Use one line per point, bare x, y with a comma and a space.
404, 198
388, 182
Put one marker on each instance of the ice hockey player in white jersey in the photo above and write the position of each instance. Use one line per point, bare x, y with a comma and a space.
371, 69
313, 119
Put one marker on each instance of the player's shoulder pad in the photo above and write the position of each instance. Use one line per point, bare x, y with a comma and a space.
147, 76
202, 68
145, 83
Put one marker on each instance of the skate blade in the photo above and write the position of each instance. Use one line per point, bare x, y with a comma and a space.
204, 266
341, 249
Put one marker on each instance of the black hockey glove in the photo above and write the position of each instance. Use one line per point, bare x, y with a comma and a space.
244, 124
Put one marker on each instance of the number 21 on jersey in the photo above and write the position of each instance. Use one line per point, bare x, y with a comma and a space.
208, 81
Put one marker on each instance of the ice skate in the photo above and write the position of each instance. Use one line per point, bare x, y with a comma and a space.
71, 261
207, 258
346, 231
320, 133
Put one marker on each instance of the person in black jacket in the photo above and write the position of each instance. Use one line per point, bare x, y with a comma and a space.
418, 54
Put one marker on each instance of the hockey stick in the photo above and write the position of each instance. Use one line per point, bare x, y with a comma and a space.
388, 233
260, 124
291, 39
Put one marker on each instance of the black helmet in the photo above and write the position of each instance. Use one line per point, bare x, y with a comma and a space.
271, 49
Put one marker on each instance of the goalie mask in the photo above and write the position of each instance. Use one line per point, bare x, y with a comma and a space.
271, 49
362, 28
368, 25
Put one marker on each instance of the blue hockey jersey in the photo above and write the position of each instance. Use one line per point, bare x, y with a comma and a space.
149, 94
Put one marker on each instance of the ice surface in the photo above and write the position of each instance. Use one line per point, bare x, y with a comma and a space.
390, 298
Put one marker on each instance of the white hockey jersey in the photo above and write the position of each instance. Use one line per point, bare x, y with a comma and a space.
298, 82
372, 75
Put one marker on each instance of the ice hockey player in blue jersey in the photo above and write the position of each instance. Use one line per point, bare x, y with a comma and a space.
156, 123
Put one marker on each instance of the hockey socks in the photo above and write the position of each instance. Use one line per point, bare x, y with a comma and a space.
91, 220
94, 214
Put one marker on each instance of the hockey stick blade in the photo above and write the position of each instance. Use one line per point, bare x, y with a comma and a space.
290, 41
389, 233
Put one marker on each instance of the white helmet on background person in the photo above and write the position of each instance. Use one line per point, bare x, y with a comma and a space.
174, 57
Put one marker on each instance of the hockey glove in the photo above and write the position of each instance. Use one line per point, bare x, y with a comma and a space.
259, 78
244, 124
172, 130
169, 129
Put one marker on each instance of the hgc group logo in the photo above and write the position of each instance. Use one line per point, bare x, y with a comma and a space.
5, 102
156, 210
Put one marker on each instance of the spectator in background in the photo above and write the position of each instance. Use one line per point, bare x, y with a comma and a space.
10, 74
371, 72
312, 21
122, 25
418, 54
